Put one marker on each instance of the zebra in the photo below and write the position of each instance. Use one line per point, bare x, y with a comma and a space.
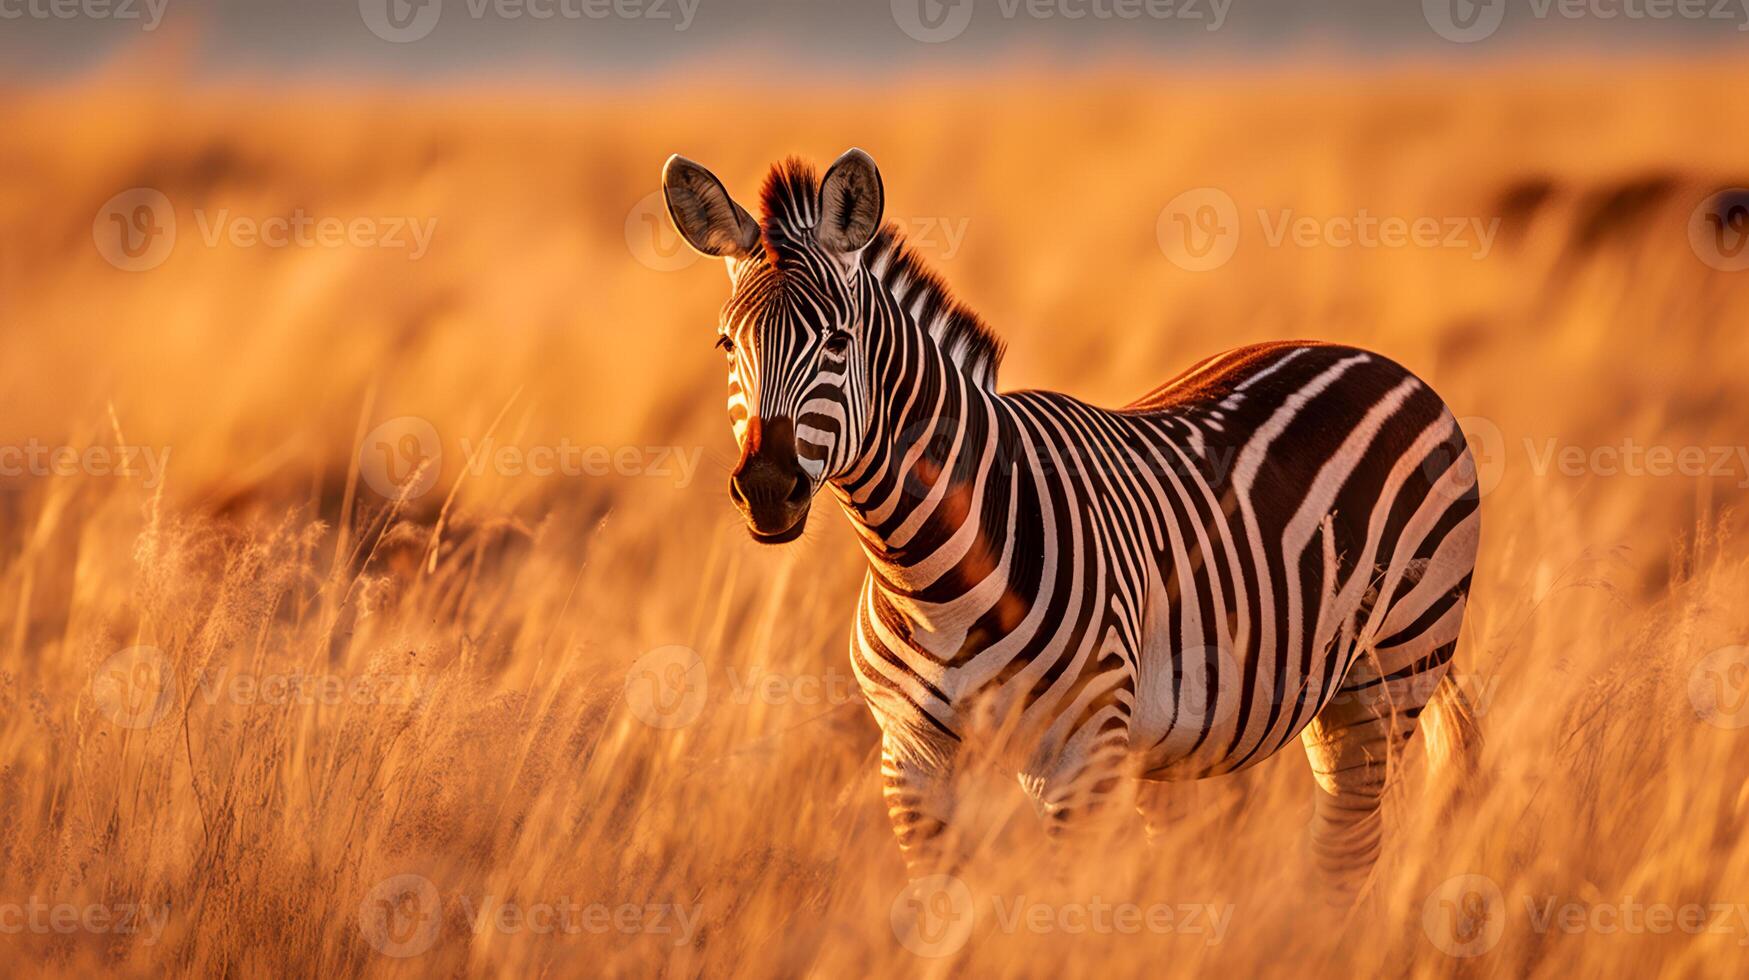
1277, 542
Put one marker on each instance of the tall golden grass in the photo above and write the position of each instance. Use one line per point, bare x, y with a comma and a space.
465, 714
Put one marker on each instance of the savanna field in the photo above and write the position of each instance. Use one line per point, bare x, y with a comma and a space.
371, 604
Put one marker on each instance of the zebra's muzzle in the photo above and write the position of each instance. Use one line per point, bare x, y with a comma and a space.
770, 488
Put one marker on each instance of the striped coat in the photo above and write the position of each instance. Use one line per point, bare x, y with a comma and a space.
1276, 544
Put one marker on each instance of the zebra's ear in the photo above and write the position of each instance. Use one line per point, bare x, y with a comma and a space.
703, 212
851, 202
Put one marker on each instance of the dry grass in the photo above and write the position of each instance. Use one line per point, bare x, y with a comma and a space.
501, 627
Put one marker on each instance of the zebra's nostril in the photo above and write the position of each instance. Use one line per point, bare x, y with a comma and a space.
764, 487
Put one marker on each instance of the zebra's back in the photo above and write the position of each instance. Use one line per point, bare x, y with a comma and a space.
1278, 541
1297, 504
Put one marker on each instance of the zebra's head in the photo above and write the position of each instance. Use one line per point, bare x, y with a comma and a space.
795, 328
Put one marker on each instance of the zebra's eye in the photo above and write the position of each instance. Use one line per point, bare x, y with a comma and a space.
724, 344
837, 342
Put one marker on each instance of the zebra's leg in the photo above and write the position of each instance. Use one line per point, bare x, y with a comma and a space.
1083, 764
1163, 804
1197, 803
1355, 746
1076, 793
917, 783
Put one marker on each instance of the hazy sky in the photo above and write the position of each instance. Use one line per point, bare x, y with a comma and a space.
422, 38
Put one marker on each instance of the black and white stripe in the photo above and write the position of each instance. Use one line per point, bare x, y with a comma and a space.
1277, 543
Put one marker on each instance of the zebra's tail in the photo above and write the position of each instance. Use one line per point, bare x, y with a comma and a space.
1454, 741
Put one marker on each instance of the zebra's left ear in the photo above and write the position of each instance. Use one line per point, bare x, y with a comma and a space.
703, 212
851, 203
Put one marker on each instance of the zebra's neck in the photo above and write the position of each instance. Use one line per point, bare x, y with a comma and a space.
937, 448
906, 284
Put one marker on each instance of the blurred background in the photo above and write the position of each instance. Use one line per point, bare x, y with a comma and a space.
365, 560
641, 40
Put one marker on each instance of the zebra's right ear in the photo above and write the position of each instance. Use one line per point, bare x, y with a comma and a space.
703, 212
851, 203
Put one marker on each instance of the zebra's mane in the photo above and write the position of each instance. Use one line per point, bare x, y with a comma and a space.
790, 201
